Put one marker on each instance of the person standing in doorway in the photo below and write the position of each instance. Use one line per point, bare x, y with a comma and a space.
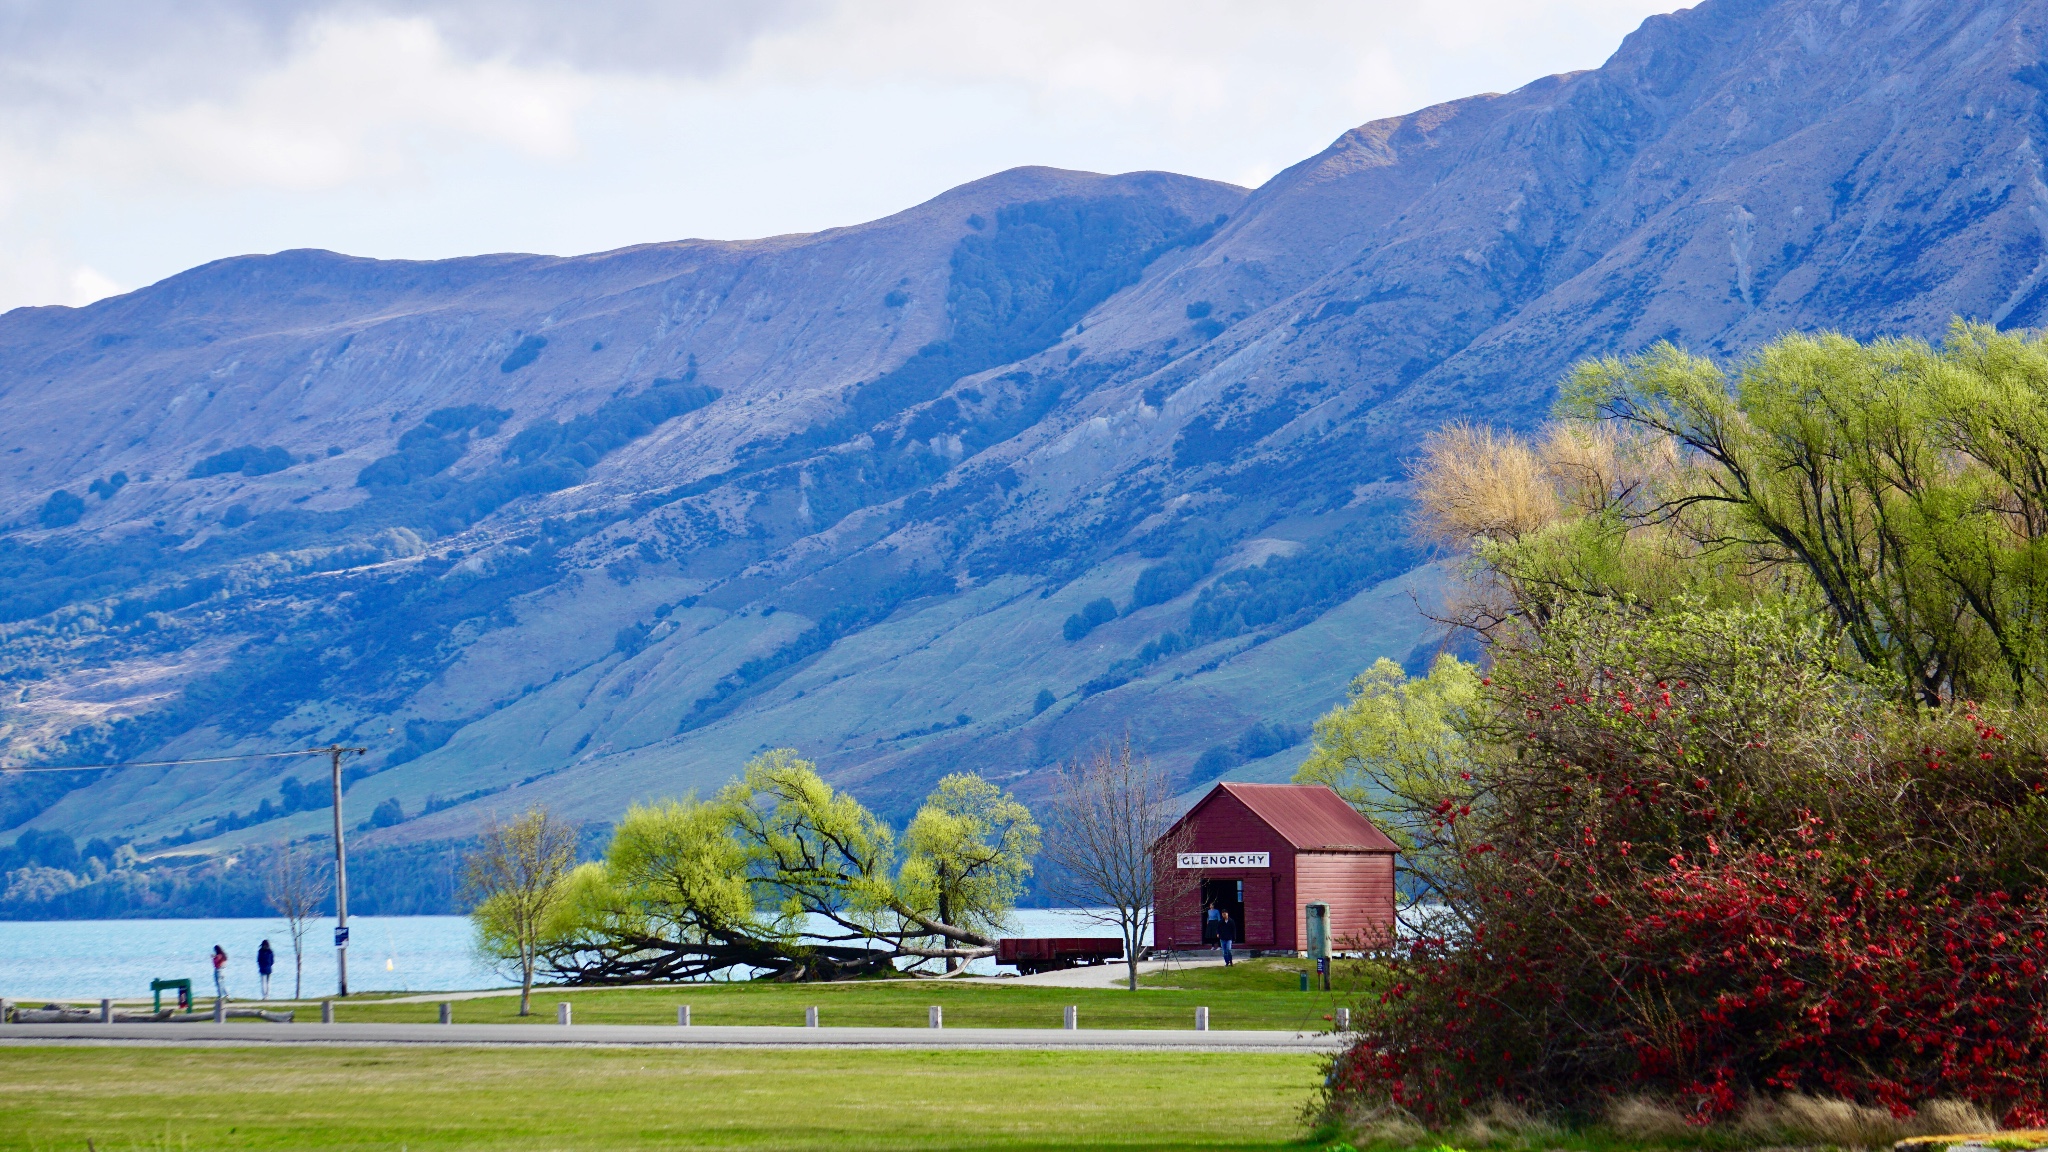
1215, 923
220, 964
1224, 932
265, 961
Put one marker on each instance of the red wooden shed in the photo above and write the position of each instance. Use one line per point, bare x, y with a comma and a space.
1263, 853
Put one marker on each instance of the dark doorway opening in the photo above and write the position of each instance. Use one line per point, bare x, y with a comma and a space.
1223, 897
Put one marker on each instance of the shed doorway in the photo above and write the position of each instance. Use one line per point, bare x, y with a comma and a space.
1224, 897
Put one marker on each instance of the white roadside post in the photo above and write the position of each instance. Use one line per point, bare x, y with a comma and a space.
683, 1015
1343, 1019
447, 1012
810, 1017
106, 1011
1201, 1019
936, 1016
1073, 1018
562, 1012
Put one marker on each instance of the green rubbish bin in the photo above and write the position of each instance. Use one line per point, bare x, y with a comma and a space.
157, 988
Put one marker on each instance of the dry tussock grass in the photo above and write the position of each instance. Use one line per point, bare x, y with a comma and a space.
1641, 1118
1952, 1117
1500, 1122
1819, 1120
1794, 1121
1387, 1126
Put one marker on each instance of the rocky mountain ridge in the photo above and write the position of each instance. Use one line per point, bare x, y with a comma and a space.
594, 529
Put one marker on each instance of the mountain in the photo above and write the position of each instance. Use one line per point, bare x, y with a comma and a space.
583, 531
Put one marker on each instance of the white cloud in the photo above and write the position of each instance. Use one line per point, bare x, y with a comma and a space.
353, 103
142, 137
88, 285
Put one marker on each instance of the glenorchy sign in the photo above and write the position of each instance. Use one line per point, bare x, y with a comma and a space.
1225, 860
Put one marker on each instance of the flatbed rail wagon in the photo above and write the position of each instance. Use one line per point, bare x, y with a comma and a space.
1045, 953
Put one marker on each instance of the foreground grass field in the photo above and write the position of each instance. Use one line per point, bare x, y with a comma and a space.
583, 1098
1262, 995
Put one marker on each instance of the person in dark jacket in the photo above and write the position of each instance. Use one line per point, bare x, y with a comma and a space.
1224, 935
265, 961
220, 963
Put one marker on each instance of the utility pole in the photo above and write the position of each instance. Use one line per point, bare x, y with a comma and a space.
334, 753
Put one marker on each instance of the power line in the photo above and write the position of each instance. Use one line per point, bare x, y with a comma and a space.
175, 763
334, 752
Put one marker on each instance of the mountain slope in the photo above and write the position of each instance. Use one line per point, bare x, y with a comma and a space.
595, 529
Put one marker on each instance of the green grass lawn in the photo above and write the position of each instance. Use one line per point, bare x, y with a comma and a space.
1349, 979
600, 1098
894, 1003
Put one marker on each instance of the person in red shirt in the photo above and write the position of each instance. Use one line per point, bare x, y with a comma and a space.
220, 963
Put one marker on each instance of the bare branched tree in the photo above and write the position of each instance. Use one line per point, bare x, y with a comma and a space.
515, 879
296, 886
1106, 840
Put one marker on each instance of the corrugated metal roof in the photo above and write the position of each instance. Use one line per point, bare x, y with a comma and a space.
1309, 816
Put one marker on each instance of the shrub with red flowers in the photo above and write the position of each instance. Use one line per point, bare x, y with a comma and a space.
1700, 855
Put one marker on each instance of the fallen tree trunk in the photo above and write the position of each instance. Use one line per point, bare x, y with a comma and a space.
643, 959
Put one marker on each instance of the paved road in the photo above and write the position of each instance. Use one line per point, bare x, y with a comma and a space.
607, 1035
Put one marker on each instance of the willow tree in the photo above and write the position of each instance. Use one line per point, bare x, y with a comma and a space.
968, 855
1899, 488
1396, 750
1906, 485
786, 876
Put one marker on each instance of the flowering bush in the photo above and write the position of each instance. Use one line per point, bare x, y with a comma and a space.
1699, 856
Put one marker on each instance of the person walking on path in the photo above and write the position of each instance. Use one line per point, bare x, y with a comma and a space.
265, 961
220, 963
1223, 934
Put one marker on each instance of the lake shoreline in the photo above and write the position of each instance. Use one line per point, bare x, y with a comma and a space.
85, 960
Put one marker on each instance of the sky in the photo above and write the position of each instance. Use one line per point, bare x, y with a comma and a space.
142, 137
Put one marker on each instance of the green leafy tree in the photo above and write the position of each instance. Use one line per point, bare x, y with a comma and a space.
968, 854
516, 878
1905, 486
785, 875
810, 849
1397, 752
673, 899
